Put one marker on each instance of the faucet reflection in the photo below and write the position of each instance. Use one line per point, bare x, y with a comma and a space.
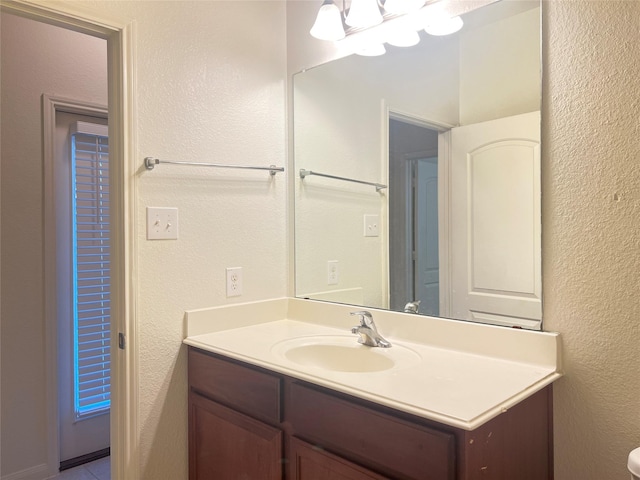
412, 307
368, 332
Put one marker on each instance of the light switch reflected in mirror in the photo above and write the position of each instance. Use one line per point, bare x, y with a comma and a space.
452, 127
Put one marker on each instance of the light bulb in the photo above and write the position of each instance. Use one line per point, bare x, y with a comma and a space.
403, 38
328, 24
363, 14
443, 25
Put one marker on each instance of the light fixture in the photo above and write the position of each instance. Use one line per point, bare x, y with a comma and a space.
328, 24
403, 38
363, 14
367, 30
443, 25
400, 7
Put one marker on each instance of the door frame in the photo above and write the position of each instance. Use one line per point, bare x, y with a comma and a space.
119, 35
51, 105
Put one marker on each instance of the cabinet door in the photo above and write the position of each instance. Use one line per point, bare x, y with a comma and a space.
226, 445
309, 463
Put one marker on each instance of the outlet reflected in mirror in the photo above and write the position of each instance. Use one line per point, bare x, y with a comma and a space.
446, 138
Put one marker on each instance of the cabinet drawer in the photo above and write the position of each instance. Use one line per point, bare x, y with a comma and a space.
249, 391
392, 446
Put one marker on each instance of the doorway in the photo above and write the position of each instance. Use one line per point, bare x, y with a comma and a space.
67, 61
80, 168
30, 440
413, 218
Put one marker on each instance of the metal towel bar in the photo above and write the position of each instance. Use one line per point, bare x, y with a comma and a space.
304, 173
150, 163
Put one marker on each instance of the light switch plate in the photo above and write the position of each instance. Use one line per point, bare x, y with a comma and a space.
332, 272
162, 223
371, 225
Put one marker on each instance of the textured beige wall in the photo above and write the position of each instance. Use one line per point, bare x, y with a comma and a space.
591, 230
210, 88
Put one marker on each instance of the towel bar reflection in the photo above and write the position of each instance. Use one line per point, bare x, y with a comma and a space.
150, 163
304, 173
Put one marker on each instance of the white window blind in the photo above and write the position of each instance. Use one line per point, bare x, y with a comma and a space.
91, 268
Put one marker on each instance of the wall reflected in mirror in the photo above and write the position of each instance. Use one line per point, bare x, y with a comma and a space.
451, 128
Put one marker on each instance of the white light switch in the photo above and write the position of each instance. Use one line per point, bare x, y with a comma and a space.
162, 223
332, 272
371, 225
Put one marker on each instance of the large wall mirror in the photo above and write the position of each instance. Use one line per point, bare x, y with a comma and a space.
445, 136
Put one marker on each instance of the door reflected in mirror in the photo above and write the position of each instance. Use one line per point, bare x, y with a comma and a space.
449, 131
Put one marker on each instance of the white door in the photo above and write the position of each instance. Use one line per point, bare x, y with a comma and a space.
495, 221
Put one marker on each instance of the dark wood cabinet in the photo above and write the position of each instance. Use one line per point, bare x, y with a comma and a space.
250, 423
393, 446
313, 463
228, 445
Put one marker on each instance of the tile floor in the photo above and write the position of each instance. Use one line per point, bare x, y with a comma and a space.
96, 470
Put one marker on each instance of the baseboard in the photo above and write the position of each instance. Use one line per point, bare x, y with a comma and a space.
33, 473
82, 459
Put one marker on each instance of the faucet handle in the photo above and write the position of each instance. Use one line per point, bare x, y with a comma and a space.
366, 319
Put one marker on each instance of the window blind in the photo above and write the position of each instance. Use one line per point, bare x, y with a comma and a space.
91, 269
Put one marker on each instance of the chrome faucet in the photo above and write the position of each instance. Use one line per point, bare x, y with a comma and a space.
412, 307
368, 332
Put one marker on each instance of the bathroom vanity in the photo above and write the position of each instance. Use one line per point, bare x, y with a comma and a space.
258, 412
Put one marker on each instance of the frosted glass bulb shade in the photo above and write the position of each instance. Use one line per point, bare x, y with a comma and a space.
399, 7
328, 24
403, 38
443, 25
363, 14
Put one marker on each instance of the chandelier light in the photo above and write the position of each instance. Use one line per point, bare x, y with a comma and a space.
403, 38
363, 14
363, 29
328, 24
443, 25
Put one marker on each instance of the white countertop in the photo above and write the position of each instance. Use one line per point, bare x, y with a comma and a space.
461, 387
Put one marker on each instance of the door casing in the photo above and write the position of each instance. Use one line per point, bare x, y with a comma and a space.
121, 80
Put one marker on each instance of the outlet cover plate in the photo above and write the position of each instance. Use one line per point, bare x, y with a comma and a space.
234, 281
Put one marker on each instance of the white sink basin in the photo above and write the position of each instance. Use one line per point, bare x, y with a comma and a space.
343, 354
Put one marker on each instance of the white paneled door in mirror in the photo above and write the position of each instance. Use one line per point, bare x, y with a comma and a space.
495, 218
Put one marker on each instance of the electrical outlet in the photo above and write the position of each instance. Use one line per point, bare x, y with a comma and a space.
332, 272
162, 223
371, 225
234, 282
